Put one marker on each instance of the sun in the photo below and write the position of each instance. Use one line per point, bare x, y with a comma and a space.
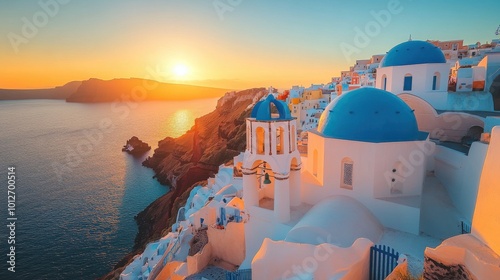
180, 70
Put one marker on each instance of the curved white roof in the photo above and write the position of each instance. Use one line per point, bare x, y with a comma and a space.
338, 220
225, 191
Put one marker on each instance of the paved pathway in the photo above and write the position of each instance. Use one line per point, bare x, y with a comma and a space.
209, 273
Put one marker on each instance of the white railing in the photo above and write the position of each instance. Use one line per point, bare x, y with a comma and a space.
167, 257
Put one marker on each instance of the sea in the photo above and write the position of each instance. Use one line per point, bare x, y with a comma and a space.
76, 192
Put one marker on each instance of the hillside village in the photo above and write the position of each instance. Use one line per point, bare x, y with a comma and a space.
393, 160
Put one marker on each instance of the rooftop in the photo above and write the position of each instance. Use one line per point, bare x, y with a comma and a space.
369, 115
262, 111
413, 52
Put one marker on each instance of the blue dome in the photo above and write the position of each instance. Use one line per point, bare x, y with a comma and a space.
262, 110
413, 52
369, 115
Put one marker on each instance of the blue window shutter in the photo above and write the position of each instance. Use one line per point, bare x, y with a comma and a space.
407, 83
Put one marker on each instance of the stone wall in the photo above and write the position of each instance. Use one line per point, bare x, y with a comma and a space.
435, 270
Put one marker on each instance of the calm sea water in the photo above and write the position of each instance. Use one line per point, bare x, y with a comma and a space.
76, 192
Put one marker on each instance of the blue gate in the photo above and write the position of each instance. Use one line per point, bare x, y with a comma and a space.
243, 274
383, 260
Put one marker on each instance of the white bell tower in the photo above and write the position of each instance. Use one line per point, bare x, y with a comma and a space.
271, 163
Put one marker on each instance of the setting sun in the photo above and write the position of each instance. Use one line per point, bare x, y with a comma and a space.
232, 139
180, 70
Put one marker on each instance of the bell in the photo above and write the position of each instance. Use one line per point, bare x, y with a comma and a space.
267, 181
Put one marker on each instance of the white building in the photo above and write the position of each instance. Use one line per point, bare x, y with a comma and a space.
357, 160
271, 151
420, 68
296, 92
475, 255
416, 67
379, 168
368, 131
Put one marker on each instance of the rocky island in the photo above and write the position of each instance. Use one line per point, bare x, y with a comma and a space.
186, 161
116, 90
134, 146
60, 92
136, 90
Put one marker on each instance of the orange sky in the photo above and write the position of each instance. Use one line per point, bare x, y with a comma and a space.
255, 43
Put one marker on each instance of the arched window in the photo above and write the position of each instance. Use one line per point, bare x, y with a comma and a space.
408, 80
294, 138
384, 82
435, 81
346, 176
315, 163
273, 109
280, 140
261, 140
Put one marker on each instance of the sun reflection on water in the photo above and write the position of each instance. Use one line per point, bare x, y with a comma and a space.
181, 121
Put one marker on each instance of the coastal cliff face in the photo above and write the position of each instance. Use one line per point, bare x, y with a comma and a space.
135, 90
187, 161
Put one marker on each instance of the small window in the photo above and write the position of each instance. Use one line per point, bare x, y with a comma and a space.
407, 82
347, 174
435, 81
384, 82
280, 145
261, 136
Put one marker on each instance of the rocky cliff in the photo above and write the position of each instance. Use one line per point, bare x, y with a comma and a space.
190, 159
134, 90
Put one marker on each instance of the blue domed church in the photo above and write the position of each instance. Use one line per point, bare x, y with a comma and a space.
418, 68
364, 172
368, 147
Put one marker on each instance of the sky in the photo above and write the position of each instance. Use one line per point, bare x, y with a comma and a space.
232, 44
